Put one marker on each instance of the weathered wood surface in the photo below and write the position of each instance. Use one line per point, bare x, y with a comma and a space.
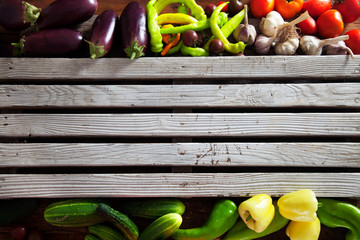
177, 184
219, 154
269, 67
191, 96
180, 125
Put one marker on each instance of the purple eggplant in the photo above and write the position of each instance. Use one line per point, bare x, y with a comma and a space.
102, 34
49, 42
16, 15
133, 31
64, 13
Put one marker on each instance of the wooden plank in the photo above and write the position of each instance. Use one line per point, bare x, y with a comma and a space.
180, 154
180, 125
251, 67
193, 96
176, 184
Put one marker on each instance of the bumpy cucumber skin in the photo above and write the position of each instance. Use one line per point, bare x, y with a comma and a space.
91, 237
152, 208
105, 232
119, 220
73, 213
162, 228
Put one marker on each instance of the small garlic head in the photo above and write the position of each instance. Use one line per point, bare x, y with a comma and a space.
288, 47
310, 45
270, 24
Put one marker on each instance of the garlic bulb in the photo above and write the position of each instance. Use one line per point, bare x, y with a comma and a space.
311, 45
270, 24
288, 47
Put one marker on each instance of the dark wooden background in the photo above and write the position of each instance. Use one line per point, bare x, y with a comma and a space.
197, 208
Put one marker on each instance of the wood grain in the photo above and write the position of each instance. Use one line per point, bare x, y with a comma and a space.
180, 125
177, 184
218, 154
193, 96
251, 67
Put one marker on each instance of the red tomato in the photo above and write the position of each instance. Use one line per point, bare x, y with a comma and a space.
354, 40
260, 8
316, 7
330, 24
349, 9
308, 26
288, 8
225, 9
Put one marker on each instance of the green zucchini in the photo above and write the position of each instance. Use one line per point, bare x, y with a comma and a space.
162, 228
91, 237
105, 232
119, 220
73, 213
16, 209
152, 208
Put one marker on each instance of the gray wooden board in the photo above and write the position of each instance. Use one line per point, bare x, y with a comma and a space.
320, 67
194, 96
180, 125
176, 184
223, 154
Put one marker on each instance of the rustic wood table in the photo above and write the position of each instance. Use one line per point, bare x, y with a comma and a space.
198, 129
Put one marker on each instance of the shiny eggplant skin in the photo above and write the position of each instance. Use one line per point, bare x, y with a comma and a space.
133, 30
63, 13
50, 42
102, 34
16, 15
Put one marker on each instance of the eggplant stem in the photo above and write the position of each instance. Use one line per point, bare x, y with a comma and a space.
32, 13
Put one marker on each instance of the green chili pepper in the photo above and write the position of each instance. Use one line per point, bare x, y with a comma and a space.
182, 9
222, 217
194, 51
241, 232
197, 26
223, 33
175, 49
196, 10
154, 28
333, 213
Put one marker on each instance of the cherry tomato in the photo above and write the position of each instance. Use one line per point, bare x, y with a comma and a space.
260, 8
308, 26
349, 9
354, 40
18, 232
330, 24
216, 46
209, 8
225, 9
288, 8
316, 7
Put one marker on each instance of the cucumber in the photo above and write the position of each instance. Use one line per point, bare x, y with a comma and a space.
152, 208
162, 228
73, 213
105, 232
91, 237
16, 209
119, 220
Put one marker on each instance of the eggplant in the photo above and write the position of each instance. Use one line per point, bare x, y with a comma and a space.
64, 13
102, 34
49, 42
16, 15
133, 31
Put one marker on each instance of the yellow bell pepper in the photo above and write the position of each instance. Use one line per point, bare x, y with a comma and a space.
257, 212
300, 206
303, 230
